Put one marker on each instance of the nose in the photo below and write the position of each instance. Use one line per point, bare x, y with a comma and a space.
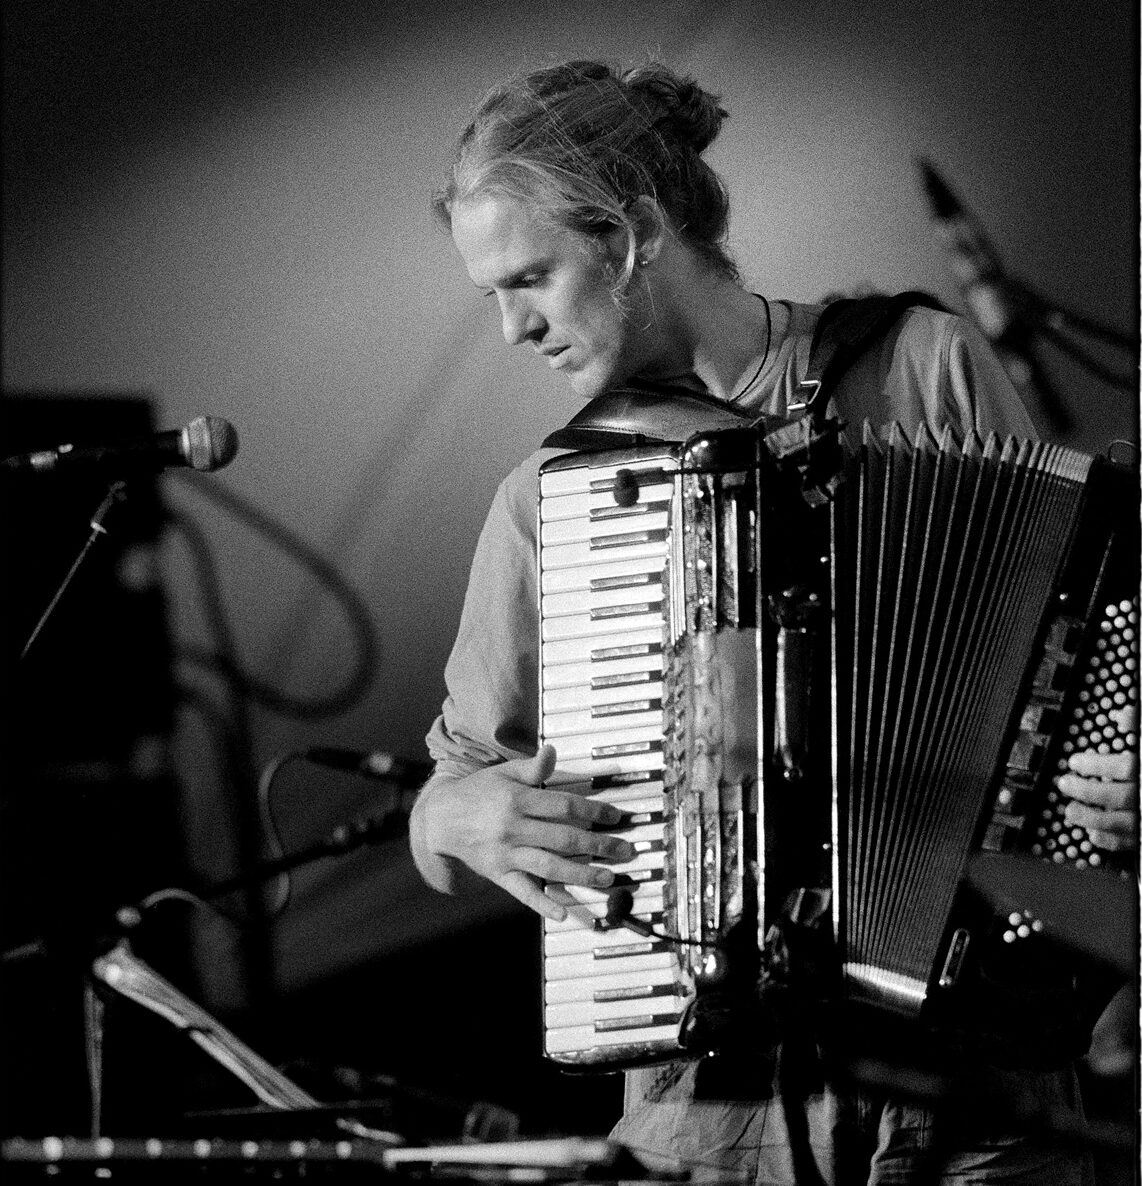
522, 322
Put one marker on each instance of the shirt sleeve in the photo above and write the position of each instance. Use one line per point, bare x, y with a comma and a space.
490, 713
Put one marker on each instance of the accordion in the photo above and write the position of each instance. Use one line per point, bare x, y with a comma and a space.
819, 700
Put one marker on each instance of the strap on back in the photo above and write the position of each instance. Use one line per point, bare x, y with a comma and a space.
845, 330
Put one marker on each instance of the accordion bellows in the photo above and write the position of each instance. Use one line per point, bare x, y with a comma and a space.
852, 695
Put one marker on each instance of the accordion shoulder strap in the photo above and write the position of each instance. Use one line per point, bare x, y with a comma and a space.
628, 416
845, 330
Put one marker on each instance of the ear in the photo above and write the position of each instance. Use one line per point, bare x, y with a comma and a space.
650, 228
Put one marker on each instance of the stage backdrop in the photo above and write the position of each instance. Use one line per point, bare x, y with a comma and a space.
225, 207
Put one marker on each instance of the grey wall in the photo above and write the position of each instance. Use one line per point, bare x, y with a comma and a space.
225, 205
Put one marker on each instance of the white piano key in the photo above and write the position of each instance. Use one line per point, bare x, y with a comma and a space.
571, 724
597, 532
575, 1013
579, 504
646, 885
583, 1038
637, 617
646, 899
608, 767
644, 866
564, 580
646, 860
615, 743
628, 795
638, 798
585, 989
623, 710
640, 644
585, 907
573, 479
591, 944
586, 601
617, 550
568, 967
640, 834
582, 697
628, 672
588, 942
590, 902
637, 787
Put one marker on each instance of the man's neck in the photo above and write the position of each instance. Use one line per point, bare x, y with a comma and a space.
721, 333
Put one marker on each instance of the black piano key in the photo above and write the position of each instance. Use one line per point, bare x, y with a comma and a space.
605, 1025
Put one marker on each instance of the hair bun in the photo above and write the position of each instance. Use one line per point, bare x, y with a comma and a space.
694, 115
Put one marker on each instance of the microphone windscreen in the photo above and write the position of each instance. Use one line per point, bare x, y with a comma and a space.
620, 903
210, 443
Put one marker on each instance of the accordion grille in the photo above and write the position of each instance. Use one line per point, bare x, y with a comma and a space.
945, 562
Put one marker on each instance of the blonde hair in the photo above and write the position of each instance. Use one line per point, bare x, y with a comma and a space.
578, 143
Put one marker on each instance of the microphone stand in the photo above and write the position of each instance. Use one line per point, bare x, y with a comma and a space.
116, 493
125, 973
92, 1005
120, 970
1011, 315
370, 829
1062, 329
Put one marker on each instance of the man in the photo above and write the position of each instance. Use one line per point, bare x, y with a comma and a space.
580, 203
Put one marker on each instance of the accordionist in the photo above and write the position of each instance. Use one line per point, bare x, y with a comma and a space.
581, 203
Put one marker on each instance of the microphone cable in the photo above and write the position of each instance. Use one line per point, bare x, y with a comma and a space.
225, 661
620, 903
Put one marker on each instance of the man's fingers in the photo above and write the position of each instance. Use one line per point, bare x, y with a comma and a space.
1113, 796
1112, 830
1121, 766
1125, 718
575, 842
548, 866
573, 808
537, 770
1112, 841
527, 890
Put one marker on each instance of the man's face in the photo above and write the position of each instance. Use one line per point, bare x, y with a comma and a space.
554, 289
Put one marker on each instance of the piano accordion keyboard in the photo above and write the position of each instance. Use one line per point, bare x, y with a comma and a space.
611, 996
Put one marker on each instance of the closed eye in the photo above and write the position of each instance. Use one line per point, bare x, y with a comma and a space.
516, 281
522, 280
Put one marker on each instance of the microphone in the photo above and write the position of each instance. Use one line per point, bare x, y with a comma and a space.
206, 443
991, 298
1006, 312
404, 772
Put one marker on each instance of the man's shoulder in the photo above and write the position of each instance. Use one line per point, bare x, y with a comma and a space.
923, 325
525, 476
519, 489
